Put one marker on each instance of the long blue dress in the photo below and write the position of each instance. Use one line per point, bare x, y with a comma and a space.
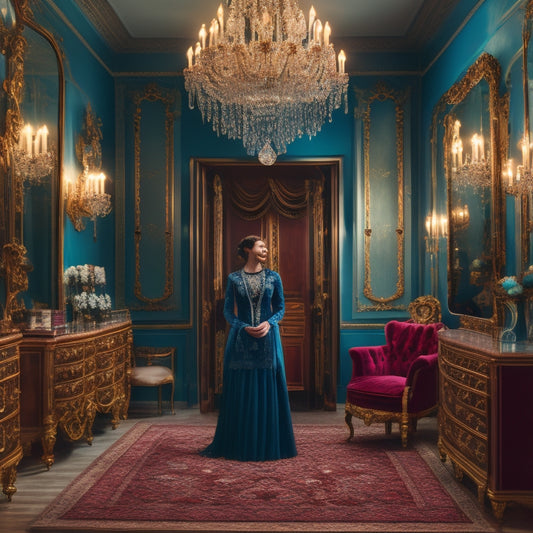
254, 422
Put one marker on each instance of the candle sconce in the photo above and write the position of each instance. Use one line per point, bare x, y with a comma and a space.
436, 228
460, 217
86, 196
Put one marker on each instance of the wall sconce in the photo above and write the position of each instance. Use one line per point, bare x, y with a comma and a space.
86, 197
475, 168
436, 228
519, 182
460, 217
34, 159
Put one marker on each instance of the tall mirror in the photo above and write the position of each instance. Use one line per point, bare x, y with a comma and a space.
469, 122
32, 112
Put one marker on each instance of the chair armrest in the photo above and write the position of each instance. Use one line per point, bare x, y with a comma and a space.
423, 380
368, 360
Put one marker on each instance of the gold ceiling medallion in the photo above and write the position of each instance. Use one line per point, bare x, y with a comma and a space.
86, 196
381, 94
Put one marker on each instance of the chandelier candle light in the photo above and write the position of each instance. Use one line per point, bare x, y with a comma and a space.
474, 169
34, 160
260, 73
520, 182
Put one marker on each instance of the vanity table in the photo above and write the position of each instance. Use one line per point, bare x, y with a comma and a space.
66, 379
485, 414
10, 447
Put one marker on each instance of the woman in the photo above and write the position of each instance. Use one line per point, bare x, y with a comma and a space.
254, 423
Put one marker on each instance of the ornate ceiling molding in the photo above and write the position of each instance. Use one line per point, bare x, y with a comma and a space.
107, 23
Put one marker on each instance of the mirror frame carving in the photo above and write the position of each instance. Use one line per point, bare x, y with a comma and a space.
526, 224
487, 68
15, 47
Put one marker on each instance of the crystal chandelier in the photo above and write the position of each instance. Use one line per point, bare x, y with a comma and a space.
475, 169
261, 74
34, 159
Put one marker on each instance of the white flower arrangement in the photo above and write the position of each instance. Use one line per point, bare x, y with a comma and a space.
81, 282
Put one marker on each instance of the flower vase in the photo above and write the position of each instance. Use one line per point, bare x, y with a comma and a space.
515, 328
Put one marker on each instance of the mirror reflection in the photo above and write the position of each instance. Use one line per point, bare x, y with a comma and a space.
469, 204
36, 168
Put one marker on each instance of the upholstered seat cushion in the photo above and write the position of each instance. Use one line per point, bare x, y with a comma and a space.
383, 393
151, 376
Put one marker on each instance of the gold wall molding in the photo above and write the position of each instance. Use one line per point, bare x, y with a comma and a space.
380, 94
153, 93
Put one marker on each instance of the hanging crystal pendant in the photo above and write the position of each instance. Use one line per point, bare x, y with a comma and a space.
267, 156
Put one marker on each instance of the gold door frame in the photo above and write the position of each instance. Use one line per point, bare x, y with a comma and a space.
206, 217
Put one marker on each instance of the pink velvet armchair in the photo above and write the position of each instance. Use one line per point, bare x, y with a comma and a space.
397, 382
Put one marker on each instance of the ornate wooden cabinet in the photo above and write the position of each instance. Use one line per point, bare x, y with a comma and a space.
485, 415
10, 446
67, 379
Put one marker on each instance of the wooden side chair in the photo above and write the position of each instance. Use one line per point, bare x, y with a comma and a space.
154, 367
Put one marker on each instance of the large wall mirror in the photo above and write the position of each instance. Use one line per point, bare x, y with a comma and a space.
469, 141
31, 109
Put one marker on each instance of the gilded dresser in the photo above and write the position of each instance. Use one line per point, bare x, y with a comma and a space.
67, 379
10, 445
485, 415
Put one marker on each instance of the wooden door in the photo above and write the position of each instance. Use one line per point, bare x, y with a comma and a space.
286, 205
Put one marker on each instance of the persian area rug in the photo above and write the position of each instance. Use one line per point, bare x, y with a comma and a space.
152, 479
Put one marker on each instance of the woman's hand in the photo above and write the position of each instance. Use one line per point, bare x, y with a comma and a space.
258, 331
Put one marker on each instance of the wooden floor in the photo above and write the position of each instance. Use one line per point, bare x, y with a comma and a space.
37, 487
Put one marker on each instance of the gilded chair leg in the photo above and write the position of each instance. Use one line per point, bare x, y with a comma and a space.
348, 420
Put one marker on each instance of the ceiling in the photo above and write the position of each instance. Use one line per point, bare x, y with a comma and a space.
347, 18
157, 25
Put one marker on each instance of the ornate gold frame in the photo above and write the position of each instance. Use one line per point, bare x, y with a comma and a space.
153, 93
13, 44
380, 94
485, 67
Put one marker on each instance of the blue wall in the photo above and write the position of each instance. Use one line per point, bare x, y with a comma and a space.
98, 75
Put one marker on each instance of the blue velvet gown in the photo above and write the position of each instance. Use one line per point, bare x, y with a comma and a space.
254, 423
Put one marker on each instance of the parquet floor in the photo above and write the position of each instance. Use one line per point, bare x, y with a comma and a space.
37, 487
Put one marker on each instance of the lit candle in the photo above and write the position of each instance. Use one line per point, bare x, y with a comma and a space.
342, 61
460, 152
443, 226
525, 152
312, 16
197, 52
190, 55
102, 183
44, 139
428, 225
327, 33
212, 33
28, 135
202, 34
509, 171
216, 25
475, 148
220, 15
318, 31
37, 142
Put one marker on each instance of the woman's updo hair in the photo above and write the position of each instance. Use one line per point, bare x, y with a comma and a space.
247, 242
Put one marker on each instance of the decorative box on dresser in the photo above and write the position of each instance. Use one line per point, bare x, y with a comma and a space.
67, 379
10, 445
486, 415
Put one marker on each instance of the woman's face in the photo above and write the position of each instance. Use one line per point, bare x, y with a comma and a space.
258, 252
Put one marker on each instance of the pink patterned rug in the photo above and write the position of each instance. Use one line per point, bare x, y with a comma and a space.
152, 479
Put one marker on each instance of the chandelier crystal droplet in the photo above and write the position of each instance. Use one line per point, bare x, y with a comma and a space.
264, 75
